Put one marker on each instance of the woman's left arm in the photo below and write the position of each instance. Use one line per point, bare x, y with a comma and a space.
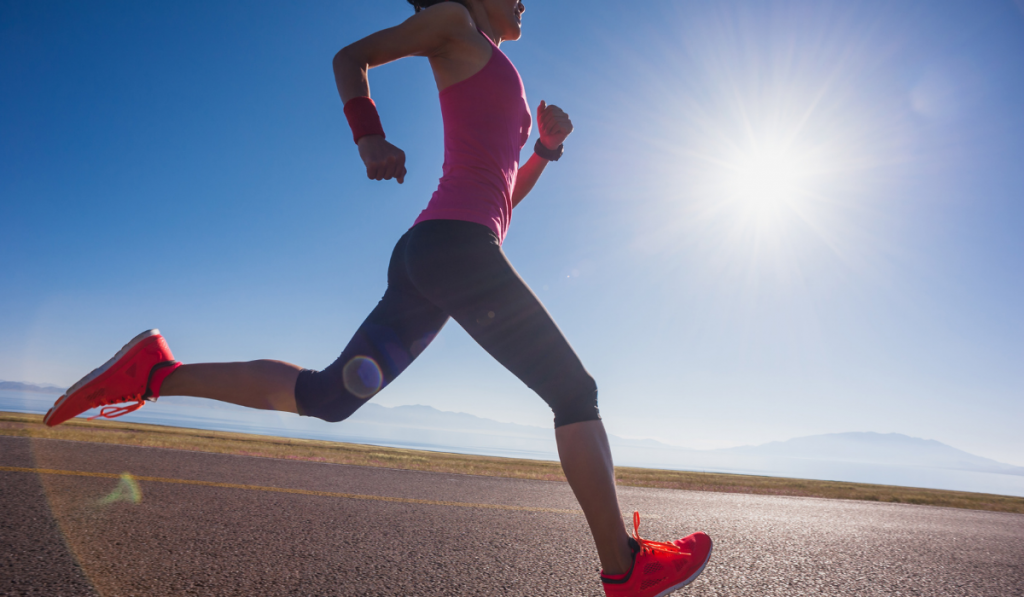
554, 126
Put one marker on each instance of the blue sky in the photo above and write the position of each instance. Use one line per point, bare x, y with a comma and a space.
774, 218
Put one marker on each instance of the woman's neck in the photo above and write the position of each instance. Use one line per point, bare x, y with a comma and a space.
479, 15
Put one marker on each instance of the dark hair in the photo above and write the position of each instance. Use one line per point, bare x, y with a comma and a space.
421, 4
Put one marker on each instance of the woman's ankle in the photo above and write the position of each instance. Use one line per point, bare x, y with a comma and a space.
623, 564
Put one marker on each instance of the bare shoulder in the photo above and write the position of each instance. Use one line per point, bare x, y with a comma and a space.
437, 32
463, 52
450, 19
460, 50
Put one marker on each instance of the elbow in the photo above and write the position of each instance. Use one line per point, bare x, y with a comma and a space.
348, 61
341, 58
349, 58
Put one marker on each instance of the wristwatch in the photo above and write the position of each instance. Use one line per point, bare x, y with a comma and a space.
550, 155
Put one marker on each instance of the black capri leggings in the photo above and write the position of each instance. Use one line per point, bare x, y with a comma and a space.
441, 269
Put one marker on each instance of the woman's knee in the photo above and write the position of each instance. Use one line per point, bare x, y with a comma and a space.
579, 403
319, 394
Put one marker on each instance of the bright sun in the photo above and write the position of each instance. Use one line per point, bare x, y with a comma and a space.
766, 179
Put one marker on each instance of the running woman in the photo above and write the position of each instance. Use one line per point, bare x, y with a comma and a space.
448, 265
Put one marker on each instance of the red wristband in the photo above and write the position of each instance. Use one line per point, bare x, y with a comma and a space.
362, 117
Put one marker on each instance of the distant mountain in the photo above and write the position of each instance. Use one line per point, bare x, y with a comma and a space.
428, 417
17, 386
449, 431
876, 448
425, 424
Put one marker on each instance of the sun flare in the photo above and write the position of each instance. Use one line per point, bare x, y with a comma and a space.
762, 150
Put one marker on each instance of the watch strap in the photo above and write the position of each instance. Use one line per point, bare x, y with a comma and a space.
550, 155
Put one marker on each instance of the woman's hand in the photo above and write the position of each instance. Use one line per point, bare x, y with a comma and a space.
554, 125
383, 160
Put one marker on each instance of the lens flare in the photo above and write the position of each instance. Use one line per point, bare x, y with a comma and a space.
362, 377
421, 344
127, 490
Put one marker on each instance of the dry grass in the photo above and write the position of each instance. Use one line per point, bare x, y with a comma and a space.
222, 442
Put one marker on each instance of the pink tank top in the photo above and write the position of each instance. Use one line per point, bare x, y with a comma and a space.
486, 124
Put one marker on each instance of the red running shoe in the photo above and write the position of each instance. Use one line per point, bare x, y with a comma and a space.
124, 378
660, 568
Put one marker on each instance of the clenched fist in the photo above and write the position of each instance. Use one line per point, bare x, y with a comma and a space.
554, 125
383, 160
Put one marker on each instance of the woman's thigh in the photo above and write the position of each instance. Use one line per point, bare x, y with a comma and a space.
460, 267
397, 330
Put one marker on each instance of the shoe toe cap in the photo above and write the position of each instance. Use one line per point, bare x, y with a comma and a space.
697, 544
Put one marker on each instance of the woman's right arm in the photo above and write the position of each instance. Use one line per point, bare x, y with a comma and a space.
427, 33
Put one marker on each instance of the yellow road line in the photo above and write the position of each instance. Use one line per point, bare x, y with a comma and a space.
348, 496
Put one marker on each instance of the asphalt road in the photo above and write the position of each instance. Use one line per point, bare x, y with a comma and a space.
234, 525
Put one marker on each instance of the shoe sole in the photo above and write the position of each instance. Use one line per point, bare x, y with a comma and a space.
693, 576
100, 370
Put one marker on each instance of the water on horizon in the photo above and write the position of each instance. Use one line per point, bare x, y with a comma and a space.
364, 428
243, 420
